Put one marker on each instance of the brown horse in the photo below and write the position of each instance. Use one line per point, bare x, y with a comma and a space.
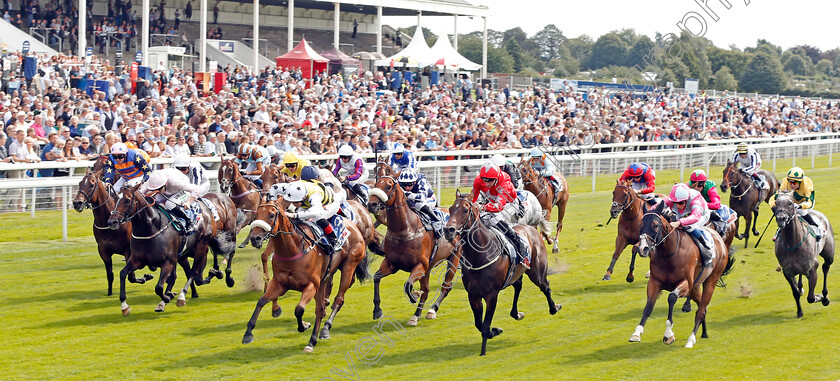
674, 266
155, 243
244, 193
484, 274
630, 207
269, 177
744, 198
409, 247
94, 194
300, 265
540, 187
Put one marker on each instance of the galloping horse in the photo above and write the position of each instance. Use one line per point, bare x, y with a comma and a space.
484, 274
540, 187
797, 250
674, 266
270, 176
94, 194
244, 193
155, 243
409, 247
298, 264
744, 197
627, 204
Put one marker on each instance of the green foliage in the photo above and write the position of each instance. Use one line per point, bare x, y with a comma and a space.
641, 52
797, 64
763, 74
724, 80
498, 60
824, 66
550, 40
735, 60
610, 49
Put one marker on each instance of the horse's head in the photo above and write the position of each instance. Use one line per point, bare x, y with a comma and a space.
785, 208
623, 197
655, 227
228, 173
269, 177
99, 165
129, 203
382, 168
731, 176
385, 193
90, 192
462, 216
528, 173
266, 223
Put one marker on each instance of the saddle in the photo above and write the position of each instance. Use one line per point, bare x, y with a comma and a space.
509, 250
321, 239
706, 253
347, 212
721, 218
428, 224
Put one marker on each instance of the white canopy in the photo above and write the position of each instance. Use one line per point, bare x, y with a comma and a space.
417, 53
446, 55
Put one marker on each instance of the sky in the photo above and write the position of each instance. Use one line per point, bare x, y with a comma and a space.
782, 23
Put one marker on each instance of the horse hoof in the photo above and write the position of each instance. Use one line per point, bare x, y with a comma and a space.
555, 250
691, 342
248, 339
306, 326
413, 321
496, 331
218, 274
607, 277
242, 245
779, 268
431, 315
686, 307
630, 278
276, 313
126, 311
635, 339
519, 316
148, 276
308, 349
160, 307
325, 334
669, 340
825, 301
181, 302
557, 307
377, 314
230, 282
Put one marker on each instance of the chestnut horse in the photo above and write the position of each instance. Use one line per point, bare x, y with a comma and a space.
674, 266
630, 207
744, 198
484, 274
299, 264
409, 247
244, 193
540, 187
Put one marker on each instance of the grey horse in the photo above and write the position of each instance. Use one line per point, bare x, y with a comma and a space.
797, 249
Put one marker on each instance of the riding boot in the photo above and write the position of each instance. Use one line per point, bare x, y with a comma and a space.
706, 255
361, 192
258, 182
819, 232
522, 251
333, 246
188, 225
521, 210
433, 219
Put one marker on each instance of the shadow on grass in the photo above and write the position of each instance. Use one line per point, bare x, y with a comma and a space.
767, 318
621, 351
63, 295
606, 287
139, 313
445, 353
242, 354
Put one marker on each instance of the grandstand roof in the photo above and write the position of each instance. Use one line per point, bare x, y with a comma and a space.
389, 7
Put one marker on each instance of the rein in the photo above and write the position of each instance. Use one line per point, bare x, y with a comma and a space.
89, 197
628, 200
474, 219
808, 230
664, 238
735, 186
275, 225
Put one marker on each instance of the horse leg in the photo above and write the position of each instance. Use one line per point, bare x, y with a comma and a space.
130, 266
797, 292
653, 289
166, 275
199, 262
214, 271
229, 270
702, 308
109, 271
185, 264
344, 285
477, 309
669, 337
419, 272
264, 258
514, 310
561, 212
538, 274
385, 269
634, 252
272, 292
305, 297
320, 311
486, 331
445, 287
620, 244
747, 224
755, 221
812, 283
827, 261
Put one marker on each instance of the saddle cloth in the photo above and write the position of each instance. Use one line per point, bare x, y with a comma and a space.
348, 212
508, 248
337, 223
427, 224
212, 208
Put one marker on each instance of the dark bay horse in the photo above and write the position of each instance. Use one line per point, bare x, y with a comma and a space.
484, 274
674, 266
269, 177
94, 194
155, 243
299, 264
797, 249
244, 193
409, 247
744, 198
628, 208
540, 187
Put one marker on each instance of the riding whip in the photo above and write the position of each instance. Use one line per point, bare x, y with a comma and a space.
765, 230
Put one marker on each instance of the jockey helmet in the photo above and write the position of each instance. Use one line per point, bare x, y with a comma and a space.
742, 148
156, 180
795, 174
636, 170
345, 151
489, 171
119, 149
272, 150
295, 192
679, 193
407, 176
277, 190
699, 175
398, 149
181, 161
309, 172
536, 152
245, 149
290, 158
499, 160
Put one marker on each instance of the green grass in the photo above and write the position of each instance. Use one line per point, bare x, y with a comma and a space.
58, 323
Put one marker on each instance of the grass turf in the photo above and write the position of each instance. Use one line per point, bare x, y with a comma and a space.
60, 324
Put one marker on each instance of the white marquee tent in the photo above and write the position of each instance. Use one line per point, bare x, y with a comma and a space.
446, 56
416, 54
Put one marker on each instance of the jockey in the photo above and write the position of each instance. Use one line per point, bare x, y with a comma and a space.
292, 165
257, 158
195, 173
420, 197
643, 179
693, 214
749, 161
507, 167
173, 190
317, 203
545, 167
803, 195
132, 165
357, 174
701, 183
497, 189
401, 159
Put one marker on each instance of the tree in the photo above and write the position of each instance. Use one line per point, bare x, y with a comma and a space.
724, 80
763, 74
549, 40
733, 58
812, 52
521, 59
641, 51
495, 38
825, 66
498, 61
797, 64
610, 49
580, 48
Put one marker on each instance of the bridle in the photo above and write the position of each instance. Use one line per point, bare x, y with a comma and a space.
89, 196
275, 230
658, 233
790, 217
473, 220
127, 216
532, 173
628, 200
736, 185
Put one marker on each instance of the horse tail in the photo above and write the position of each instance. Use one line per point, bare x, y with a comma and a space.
362, 273
728, 269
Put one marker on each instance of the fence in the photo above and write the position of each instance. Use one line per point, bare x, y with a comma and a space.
448, 169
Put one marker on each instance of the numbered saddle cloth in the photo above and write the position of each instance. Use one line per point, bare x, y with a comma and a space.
337, 223
212, 207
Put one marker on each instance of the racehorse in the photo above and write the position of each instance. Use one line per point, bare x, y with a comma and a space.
627, 204
674, 266
484, 274
797, 249
548, 199
298, 264
155, 243
94, 194
244, 193
409, 247
744, 198
270, 176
